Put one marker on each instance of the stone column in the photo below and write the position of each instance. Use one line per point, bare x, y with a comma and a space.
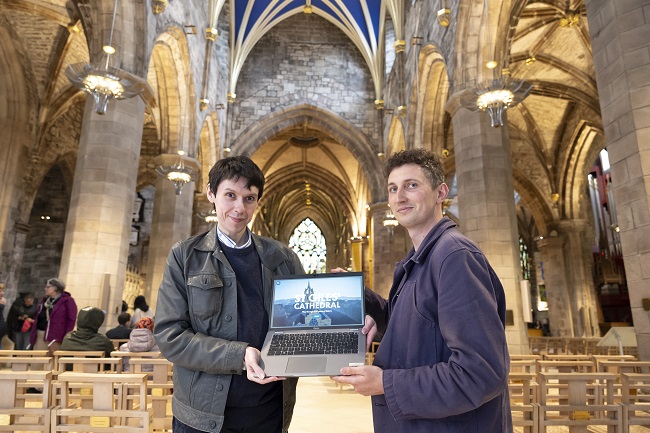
579, 278
172, 222
96, 245
486, 206
560, 311
619, 32
389, 245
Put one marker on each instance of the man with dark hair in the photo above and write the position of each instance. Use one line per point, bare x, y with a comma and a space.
442, 365
213, 313
123, 330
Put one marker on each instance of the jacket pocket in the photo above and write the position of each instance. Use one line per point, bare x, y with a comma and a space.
205, 295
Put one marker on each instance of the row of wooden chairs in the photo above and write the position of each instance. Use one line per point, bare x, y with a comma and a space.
578, 394
90, 397
574, 345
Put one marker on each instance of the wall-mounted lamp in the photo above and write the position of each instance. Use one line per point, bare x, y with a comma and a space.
158, 6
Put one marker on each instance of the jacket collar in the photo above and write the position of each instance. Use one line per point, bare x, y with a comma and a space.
270, 257
430, 240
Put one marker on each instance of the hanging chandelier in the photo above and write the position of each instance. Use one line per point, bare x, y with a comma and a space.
178, 173
104, 81
495, 96
498, 94
208, 217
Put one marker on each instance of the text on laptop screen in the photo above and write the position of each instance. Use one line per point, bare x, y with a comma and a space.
318, 302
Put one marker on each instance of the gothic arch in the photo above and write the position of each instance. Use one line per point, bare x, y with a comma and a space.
434, 91
209, 149
170, 72
396, 140
326, 122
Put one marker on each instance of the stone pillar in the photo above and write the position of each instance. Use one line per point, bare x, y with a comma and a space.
486, 206
356, 249
172, 222
619, 36
389, 245
560, 311
580, 278
96, 245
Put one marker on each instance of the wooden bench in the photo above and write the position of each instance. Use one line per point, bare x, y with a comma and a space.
127, 356
159, 389
15, 414
635, 400
108, 413
523, 401
586, 401
75, 354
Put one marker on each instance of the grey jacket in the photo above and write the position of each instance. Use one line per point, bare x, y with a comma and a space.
196, 325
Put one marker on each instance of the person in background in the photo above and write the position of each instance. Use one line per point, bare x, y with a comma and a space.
125, 306
123, 330
442, 365
213, 313
55, 317
141, 309
141, 340
86, 337
3, 324
20, 320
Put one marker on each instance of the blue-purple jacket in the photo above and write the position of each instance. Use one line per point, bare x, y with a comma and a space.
444, 354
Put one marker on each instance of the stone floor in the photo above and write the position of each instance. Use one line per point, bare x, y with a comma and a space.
321, 402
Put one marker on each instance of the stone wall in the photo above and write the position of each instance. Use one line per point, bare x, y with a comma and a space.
291, 65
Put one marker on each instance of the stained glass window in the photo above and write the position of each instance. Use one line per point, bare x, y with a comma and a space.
309, 243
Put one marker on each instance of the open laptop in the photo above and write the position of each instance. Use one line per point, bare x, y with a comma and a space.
315, 325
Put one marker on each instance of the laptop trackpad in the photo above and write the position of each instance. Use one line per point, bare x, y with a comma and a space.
312, 364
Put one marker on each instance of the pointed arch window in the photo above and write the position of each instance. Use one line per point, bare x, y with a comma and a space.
308, 242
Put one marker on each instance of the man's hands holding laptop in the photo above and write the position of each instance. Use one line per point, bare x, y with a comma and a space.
366, 379
254, 371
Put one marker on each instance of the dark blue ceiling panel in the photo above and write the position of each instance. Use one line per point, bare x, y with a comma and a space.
321, 5
239, 7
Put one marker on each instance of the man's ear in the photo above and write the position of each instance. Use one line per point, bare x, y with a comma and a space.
442, 193
210, 194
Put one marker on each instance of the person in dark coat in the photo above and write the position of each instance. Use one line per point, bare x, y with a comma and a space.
87, 338
22, 310
442, 365
123, 330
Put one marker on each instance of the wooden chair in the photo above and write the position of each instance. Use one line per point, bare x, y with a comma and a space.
636, 400
108, 413
127, 356
117, 342
566, 366
567, 357
556, 345
538, 345
159, 389
75, 354
585, 400
21, 353
523, 401
29, 363
89, 365
15, 413
523, 366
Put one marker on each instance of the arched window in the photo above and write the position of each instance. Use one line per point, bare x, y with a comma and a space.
309, 243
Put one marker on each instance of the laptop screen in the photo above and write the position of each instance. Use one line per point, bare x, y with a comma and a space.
318, 300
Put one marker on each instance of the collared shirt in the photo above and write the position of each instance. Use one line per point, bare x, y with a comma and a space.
224, 239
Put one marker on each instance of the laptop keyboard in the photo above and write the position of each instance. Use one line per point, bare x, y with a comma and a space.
314, 343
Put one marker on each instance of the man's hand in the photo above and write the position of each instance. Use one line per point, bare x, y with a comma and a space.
366, 380
370, 330
253, 370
